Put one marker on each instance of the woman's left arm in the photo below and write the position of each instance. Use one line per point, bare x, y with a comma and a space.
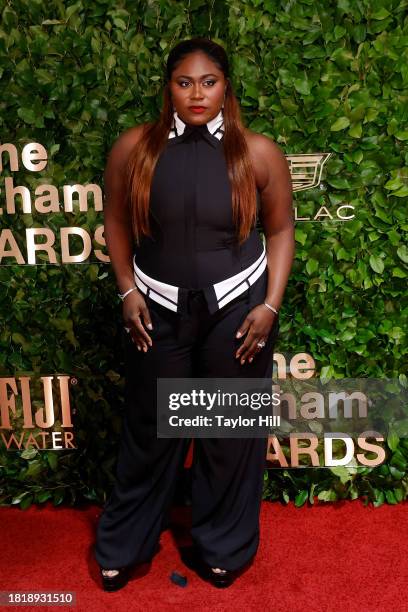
276, 216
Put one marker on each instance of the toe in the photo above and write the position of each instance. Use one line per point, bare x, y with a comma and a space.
110, 573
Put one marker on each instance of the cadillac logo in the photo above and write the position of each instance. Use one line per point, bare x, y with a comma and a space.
306, 169
306, 172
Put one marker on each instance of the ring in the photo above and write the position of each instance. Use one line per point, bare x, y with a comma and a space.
261, 344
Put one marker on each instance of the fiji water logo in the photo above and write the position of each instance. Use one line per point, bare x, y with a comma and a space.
36, 413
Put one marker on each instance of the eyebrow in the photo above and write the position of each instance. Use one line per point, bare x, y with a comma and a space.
185, 76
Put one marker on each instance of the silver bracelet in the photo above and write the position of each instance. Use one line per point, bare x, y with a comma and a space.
271, 308
123, 295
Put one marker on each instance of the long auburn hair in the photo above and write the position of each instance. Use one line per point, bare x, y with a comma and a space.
143, 158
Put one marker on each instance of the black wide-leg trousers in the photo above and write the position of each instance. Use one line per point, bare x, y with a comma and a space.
227, 474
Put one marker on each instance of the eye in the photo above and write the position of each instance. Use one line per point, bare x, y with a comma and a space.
211, 81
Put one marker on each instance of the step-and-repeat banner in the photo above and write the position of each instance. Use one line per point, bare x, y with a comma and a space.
331, 94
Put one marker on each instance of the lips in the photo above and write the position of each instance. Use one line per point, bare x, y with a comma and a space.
197, 108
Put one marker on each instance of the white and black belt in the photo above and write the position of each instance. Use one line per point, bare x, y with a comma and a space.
217, 295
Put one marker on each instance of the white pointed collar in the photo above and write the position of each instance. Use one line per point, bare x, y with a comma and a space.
214, 125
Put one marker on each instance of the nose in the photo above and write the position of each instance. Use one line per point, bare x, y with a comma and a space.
196, 93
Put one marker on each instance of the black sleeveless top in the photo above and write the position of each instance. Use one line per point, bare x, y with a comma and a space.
193, 242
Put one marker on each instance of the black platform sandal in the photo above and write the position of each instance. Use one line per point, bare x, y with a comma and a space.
116, 582
221, 579
192, 558
119, 580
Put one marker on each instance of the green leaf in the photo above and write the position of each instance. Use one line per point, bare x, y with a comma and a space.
301, 498
28, 115
328, 495
311, 266
394, 183
402, 192
390, 497
58, 497
52, 22
302, 86
392, 440
251, 91
380, 14
379, 498
71, 10
119, 23
52, 459
356, 130
300, 236
341, 472
338, 278
358, 156
19, 497
43, 496
401, 135
26, 502
396, 474
376, 264
399, 272
402, 253
326, 373
340, 124
29, 453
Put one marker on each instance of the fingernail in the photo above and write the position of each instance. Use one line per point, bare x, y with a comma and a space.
149, 326
242, 361
238, 335
250, 359
138, 348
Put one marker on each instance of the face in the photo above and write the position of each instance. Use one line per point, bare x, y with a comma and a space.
197, 82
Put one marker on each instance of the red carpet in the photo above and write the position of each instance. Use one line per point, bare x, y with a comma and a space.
341, 556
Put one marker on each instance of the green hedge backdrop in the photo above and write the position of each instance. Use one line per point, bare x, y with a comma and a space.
314, 76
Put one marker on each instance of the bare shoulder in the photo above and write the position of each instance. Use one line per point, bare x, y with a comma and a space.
115, 168
267, 157
124, 144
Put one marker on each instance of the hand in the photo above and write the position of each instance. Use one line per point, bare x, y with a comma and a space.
257, 325
135, 314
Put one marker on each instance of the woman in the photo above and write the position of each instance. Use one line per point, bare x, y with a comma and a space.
201, 295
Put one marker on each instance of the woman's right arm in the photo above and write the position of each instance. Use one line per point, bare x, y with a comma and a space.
119, 237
